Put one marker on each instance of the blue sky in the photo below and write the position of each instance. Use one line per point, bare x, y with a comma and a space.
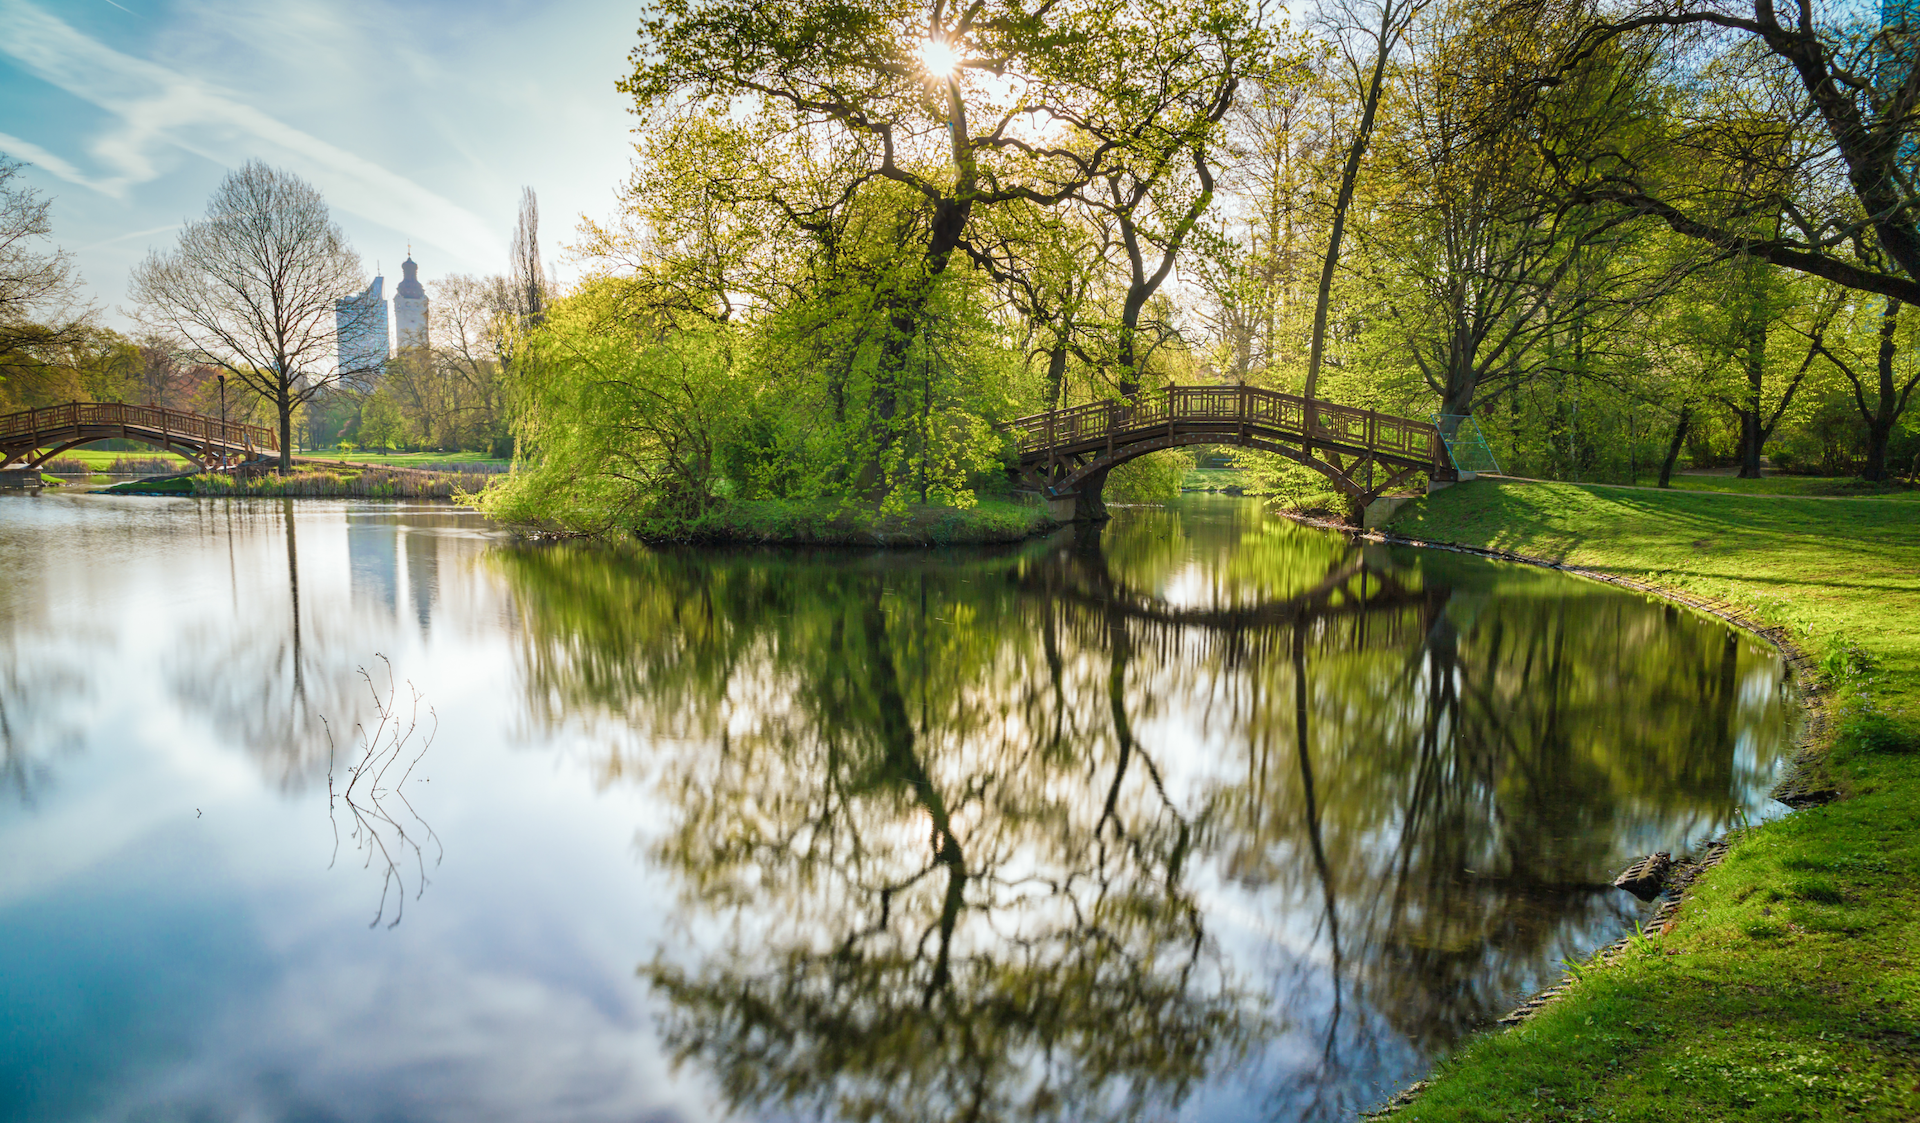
419, 121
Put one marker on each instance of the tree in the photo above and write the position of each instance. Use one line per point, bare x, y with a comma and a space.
526, 277
252, 287
1476, 269
38, 289
1880, 396
1383, 28
1254, 264
960, 110
1837, 104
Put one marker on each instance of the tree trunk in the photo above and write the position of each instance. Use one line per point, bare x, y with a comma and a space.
1751, 439
1462, 383
1343, 199
1056, 372
1680, 426
1885, 413
284, 404
1753, 436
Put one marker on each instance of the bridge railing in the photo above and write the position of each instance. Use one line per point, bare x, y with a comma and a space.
192, 427
1269, 409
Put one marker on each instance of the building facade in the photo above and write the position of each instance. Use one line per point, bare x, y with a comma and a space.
410, 308
360, 329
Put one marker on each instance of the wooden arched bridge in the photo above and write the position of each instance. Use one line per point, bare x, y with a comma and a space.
35, 436
1066, 454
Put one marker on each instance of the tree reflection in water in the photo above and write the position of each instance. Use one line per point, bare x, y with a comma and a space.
957, 837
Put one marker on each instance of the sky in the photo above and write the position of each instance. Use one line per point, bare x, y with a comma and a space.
418, 121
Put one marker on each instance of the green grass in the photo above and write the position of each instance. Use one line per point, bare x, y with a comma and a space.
1789, 986
400, 459
1831, 486
370, 482
787, 523
104, 462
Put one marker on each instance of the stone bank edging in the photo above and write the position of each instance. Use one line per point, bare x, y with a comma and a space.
1802, 786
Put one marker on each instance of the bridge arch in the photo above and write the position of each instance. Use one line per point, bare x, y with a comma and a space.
1096, 470
194, 456
1066, 454
35, 436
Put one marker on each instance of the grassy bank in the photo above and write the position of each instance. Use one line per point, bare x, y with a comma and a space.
1828, 486
88, 462
1788, 987
424, 460
330, 483
824, 523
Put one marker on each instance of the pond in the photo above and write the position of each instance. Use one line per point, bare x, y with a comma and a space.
328, 810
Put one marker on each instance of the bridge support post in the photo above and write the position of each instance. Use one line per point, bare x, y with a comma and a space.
1083, 504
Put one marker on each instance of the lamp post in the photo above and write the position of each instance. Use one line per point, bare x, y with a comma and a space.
223, 421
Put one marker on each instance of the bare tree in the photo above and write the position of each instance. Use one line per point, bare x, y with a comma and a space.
526, 280
38, 289
252, 290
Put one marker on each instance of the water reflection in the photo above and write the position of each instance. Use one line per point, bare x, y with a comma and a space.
1202, 809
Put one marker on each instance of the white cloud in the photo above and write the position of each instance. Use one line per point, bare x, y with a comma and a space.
160, 108
41, 158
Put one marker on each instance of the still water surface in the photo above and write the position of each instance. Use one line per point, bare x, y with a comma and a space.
1206, 816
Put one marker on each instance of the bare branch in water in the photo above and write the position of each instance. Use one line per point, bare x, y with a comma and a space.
375, 829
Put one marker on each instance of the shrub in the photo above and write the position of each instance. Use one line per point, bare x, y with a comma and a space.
1876, 732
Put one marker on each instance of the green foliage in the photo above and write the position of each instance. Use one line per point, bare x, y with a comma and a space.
621, 414
1293, 486
1876, 732
1153, 478
382, 425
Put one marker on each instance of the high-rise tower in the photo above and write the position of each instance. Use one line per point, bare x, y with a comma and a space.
360, 331
410, 307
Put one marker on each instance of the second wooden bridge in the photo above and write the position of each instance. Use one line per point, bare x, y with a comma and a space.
1066, 454
35, 436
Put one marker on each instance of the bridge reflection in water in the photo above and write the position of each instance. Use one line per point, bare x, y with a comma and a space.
1213, 813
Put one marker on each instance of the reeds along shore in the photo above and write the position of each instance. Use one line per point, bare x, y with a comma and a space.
124, 466
366, 483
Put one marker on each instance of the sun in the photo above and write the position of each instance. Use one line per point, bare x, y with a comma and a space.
939, 57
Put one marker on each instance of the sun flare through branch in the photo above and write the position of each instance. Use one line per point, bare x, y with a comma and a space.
939, 57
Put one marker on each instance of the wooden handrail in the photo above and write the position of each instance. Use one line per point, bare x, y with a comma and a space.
1269, 409
172, 423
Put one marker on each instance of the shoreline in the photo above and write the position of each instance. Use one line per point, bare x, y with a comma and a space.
1802, 784
1784, 987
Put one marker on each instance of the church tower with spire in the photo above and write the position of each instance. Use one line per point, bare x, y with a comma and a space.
410, 307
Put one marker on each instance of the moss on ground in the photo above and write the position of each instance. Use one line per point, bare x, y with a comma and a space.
1788, 986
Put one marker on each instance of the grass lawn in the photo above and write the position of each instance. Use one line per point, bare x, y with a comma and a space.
1789, 985
1848, 486
105, 461
399, 459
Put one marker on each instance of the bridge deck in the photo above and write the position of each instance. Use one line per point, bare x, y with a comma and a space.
61, 427
1230, 409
